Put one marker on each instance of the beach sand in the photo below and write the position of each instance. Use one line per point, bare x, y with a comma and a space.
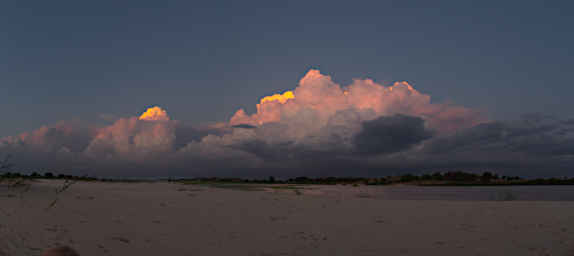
161, 218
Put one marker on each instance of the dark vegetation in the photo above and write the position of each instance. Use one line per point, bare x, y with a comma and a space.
50, 175
457, 178
450, 178
435, 179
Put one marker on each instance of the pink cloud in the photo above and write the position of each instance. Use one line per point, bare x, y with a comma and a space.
319, 93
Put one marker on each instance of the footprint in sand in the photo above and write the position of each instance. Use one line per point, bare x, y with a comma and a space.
103, 248
379, 220
277, 218
121, 239
85, 197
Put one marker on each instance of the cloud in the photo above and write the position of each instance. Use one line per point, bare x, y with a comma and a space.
154, 114
244, 126
319, 93
541, 136
132, 138
71, 136
390, 134
319, 128
532, 145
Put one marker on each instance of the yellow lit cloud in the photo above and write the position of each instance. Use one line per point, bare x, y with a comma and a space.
278, 97
154, 114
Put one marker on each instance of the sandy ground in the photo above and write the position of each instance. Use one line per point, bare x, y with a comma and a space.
174, 219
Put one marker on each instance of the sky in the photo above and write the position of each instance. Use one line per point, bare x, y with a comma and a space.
87, 68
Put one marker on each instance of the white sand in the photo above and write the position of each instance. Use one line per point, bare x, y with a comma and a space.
173, 219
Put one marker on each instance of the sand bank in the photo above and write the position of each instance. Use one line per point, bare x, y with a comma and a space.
173, 219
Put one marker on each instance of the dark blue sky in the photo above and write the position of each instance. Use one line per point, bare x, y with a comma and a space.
62, 60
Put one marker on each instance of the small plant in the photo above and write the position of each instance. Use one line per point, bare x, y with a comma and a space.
285, 187
241, 187
5, 163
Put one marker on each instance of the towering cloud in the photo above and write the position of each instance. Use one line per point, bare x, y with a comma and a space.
318, 128
318, 93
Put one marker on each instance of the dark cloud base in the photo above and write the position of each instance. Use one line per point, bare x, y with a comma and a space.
530, 147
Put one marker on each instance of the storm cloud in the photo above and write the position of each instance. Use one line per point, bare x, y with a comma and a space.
319, 128
388, 134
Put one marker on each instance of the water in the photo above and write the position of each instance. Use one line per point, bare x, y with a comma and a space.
464, 193
478, 193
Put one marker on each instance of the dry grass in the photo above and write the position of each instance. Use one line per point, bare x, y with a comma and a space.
67, 184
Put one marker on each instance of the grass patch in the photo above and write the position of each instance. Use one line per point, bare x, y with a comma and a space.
240, 187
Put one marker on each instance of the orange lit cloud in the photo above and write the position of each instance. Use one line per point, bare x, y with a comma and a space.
154, 114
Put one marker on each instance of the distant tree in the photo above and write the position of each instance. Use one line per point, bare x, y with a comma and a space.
408, 178
486, 177
271, 179
437, 176
48, 175
301, 180
11, 175
459, 176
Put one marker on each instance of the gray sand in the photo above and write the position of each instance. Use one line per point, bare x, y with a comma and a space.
174, 219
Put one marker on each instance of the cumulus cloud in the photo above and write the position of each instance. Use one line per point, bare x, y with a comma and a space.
70, 136
318, 92
132, 138
318, 128
320, 117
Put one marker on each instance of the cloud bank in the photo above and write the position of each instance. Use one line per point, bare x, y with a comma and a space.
318, 129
